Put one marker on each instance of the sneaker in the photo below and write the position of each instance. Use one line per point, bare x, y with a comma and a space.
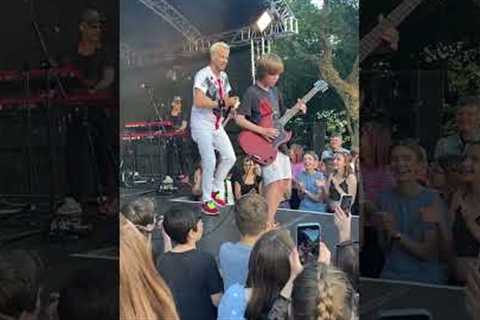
210, 208
70, 206
216, 197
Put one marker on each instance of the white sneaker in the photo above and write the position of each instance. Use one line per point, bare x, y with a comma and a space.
69, 207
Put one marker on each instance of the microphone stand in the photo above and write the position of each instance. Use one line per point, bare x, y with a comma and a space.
155, 105
51, 115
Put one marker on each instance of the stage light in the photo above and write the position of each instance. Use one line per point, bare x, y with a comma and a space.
264, 21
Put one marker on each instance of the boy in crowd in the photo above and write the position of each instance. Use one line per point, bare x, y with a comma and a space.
251, 217
192, 275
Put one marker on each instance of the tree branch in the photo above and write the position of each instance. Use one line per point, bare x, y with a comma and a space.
354, 74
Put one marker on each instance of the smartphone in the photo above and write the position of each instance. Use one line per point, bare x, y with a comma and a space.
308, 239
346, 202
405, 314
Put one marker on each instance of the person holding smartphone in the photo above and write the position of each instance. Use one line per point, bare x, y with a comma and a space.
342, 180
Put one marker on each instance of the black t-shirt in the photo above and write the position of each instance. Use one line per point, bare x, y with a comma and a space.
175, 120
192, 277
257, 102
91, 67
237, 176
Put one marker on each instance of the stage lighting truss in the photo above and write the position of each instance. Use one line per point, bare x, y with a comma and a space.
277, 21
171, 15
284, 23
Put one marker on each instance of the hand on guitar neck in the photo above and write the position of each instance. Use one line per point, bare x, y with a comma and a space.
390, 34
301, 106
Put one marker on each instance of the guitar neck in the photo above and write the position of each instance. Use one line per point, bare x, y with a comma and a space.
290, 113
371, 41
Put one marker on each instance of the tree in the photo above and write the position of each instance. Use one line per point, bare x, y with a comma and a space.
328, 43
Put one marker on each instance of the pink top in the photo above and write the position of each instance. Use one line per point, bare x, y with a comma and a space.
375, 181
297, 168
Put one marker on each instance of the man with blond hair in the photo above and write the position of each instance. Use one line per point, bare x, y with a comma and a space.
211, 90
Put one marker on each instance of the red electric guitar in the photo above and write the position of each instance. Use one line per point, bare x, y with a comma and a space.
263, 151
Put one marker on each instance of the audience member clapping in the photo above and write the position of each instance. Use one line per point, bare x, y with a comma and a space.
412, 220
311, 185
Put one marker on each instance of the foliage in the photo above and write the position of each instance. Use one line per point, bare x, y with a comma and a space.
335, 26
461, 63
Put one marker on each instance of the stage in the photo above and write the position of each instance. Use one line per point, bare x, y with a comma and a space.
443, 302
220, 229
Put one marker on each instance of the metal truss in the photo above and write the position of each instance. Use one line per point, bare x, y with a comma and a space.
174, 18
284, 24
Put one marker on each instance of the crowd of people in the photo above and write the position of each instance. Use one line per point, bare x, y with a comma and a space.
26, 292
258, 277
317, 184
419, 218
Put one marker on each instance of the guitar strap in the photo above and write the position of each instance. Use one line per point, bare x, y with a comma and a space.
218, 116
275, 104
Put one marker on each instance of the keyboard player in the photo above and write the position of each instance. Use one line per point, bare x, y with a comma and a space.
90, 142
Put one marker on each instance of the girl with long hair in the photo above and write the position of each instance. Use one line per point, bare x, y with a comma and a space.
247, 179
143, 293
342, 180
268, 272
322, 292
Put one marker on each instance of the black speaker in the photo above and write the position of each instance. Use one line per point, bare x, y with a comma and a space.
319, 132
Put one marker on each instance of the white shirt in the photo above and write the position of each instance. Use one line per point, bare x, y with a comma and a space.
206, 81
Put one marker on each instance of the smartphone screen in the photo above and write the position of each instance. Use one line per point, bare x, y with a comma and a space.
346, 202
308, 241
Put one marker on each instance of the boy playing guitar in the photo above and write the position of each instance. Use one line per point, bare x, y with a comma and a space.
263, 100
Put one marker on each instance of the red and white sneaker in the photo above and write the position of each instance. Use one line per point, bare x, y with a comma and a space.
210, 208
216, 197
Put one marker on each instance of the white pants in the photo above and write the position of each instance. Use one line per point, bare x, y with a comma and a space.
208, 141
279, 169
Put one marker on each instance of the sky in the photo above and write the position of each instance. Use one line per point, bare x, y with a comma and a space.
318, 3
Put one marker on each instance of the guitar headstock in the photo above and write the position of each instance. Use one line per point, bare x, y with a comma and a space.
320, 85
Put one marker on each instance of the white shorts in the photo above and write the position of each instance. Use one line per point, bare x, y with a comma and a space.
279, 169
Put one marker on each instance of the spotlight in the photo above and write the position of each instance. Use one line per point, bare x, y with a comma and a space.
264, 21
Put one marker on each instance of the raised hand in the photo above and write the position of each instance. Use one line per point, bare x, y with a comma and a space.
295, 264
324, 254
343, 223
